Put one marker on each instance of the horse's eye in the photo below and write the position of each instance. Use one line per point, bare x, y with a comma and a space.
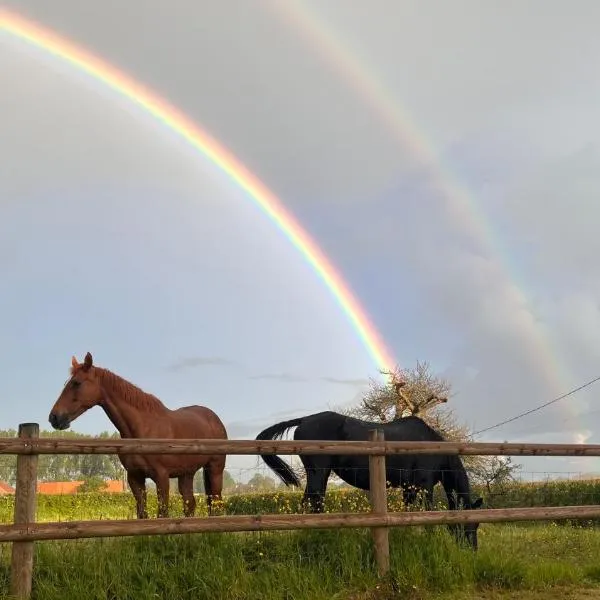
75, 383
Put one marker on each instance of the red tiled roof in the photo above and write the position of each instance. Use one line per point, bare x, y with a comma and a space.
71, 487
58, 487
114, 486
6, 489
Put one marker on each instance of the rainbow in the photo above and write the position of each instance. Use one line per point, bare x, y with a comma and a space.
467, 215
172, 118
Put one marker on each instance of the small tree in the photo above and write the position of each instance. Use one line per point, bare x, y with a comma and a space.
228, 482
415, 391
92, 484
494, 474
418, 391
260, 482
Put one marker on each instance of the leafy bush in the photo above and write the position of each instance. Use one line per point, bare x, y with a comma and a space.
98, 505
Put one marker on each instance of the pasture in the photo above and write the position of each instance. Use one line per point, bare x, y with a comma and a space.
521, 561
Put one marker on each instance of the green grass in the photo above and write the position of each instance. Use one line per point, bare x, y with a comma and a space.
318, 565
521, 561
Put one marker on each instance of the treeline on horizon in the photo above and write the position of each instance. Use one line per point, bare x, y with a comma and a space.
65, 467
94, 468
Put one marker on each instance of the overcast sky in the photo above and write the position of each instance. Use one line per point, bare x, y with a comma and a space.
116, 237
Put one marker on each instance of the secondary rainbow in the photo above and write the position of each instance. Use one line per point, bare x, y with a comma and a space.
174, 119
327, 41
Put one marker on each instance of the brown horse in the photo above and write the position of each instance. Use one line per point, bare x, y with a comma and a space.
137, 414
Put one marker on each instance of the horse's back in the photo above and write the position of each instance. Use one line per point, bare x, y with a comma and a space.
357, 430
354, 469
325, 425
198, 422
411, 429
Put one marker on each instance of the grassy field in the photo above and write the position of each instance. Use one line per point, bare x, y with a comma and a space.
319, 565
520, 562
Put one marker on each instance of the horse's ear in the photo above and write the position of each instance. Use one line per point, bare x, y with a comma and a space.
88, 361
477, 504
74, 363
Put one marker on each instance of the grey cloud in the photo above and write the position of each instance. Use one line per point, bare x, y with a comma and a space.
200, 361
283, 377
288, 413
350, 382
252, 427
291, 378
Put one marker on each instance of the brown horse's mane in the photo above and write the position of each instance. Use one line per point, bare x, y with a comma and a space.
129, 392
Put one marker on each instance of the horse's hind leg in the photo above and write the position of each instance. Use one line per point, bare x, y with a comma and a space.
213, 480
317, 474
137, 484
186, 489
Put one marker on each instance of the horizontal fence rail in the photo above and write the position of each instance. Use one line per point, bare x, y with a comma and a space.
286, 447
25, 531
239, 523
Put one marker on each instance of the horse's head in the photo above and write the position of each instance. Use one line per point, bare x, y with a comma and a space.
81, 392
468, 531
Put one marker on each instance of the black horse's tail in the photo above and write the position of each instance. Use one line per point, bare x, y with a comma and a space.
276, 464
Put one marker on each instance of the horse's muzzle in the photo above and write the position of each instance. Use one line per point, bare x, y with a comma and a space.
59, 421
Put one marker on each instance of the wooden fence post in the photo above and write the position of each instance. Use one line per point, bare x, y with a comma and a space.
21, 570
378, 495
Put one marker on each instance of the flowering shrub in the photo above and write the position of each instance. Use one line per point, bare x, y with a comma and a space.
98, 505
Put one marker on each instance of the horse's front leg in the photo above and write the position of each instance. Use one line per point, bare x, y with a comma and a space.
213, 482
186, 489
428, 497
162, 492
137, 485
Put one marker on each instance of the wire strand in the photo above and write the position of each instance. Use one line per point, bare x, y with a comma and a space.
521, 415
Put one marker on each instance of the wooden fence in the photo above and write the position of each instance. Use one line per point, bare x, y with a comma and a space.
27, 446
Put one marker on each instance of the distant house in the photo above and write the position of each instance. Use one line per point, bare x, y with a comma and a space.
6, 489
58, 487
113, 486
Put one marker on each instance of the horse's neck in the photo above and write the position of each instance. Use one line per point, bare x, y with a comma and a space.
124, 415
120, 416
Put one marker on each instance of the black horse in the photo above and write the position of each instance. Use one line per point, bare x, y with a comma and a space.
410, 472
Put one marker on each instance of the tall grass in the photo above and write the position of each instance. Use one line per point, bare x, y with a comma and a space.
339, 564
312, 565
